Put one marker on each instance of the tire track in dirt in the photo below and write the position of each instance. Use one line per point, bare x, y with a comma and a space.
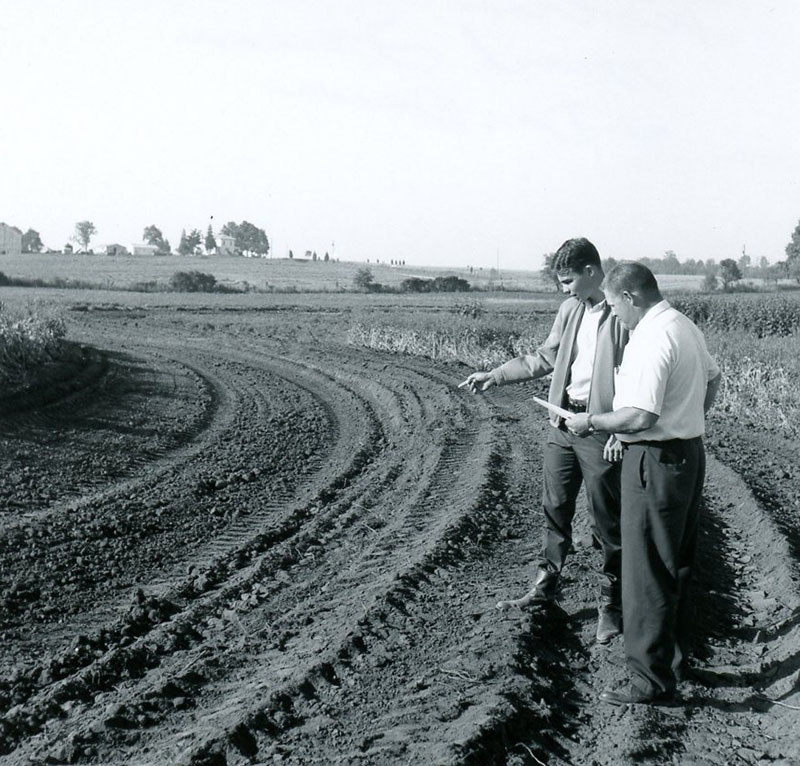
69, 418
286, 703
288, 713
53, 526
232, 537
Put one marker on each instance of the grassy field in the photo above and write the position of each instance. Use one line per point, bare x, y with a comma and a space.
264, 274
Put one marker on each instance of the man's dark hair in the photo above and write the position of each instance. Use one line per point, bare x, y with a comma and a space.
574, 255
633, 277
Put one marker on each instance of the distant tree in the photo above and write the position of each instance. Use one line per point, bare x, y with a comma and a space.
793, 255
777, 271
84, 231
210, 243
547, 273
710, 282
291, 255
189, 242
314, 256
195, 237
32, 242
792, 268
670, 264
793, 251
152, 236
249, 238
363, 279
326, 258
729, 272
694, 267
744, 263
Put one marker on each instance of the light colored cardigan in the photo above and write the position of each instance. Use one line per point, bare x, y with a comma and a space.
557, 353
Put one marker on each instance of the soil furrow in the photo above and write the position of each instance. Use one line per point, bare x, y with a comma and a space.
319, 565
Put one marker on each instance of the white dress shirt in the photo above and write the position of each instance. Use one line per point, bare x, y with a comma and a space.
586, 346
665, 370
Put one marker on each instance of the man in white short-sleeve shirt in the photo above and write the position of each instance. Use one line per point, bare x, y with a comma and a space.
664, 386
666, 371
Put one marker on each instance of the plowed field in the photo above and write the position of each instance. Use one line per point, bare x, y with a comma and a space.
228, 538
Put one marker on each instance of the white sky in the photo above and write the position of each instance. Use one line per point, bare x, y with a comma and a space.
442, 133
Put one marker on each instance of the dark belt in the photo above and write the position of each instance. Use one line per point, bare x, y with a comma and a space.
663, 443
574, 405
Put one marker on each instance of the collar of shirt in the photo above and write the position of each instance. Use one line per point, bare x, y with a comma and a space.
597, 308
652, 313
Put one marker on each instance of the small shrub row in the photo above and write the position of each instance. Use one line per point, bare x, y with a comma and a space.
452, 338
202, 282
27, 341
450, 284
181, 281
193, 282
57, 282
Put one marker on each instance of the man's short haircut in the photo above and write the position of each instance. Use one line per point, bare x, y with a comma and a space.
574, 255
633, 277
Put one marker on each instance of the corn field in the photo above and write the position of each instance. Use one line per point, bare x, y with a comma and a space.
762, 316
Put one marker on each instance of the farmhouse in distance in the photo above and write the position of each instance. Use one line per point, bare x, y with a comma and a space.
10, 240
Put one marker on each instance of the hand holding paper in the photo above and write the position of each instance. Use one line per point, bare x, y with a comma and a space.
553, 408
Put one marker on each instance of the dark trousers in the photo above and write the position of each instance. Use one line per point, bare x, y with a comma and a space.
662, 484
568, 460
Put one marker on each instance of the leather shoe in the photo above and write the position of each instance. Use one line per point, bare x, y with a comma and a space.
609, 623
542, 593
544, 587
633, 695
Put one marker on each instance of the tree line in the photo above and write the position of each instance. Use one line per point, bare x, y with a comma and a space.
248, 239
717, 275
364, 280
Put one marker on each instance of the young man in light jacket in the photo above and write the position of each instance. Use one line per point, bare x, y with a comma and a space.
582, 351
